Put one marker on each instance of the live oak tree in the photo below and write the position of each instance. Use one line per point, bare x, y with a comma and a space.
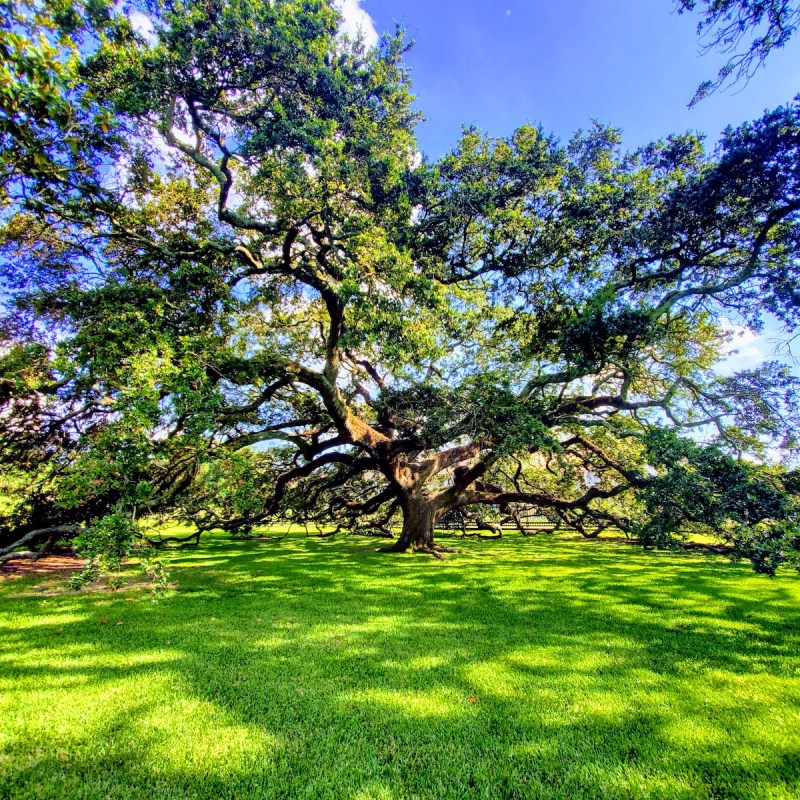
253, 300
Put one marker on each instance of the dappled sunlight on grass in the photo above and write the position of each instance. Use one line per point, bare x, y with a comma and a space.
542, 667
422, 704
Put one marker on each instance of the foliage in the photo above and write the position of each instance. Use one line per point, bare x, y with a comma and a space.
53, 131
107, 544
712, 491
728, 24
259, 302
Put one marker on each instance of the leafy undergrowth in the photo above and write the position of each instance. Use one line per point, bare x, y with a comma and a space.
520, 668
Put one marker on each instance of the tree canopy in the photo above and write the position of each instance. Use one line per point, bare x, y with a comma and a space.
237, 294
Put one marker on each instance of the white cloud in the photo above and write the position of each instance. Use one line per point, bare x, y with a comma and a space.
747, 349
143, 25
355, 20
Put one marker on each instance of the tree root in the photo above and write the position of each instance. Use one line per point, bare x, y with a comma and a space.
431, 551
174, 540
479, 535
392, 548
441, 548
435, 550
374, 534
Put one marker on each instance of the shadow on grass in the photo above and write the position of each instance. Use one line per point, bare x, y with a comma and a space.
306, 668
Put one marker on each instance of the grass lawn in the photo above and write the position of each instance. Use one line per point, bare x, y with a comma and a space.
521, 668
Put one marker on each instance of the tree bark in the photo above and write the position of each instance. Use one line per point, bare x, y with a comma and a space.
418, 520
39, 533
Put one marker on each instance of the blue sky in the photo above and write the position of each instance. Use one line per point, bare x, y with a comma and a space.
632, 63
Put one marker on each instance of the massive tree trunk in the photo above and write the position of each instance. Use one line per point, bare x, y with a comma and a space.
418, 519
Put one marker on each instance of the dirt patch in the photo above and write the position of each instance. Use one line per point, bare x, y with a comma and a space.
56, 563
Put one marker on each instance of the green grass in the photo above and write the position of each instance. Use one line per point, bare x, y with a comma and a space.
320, 668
